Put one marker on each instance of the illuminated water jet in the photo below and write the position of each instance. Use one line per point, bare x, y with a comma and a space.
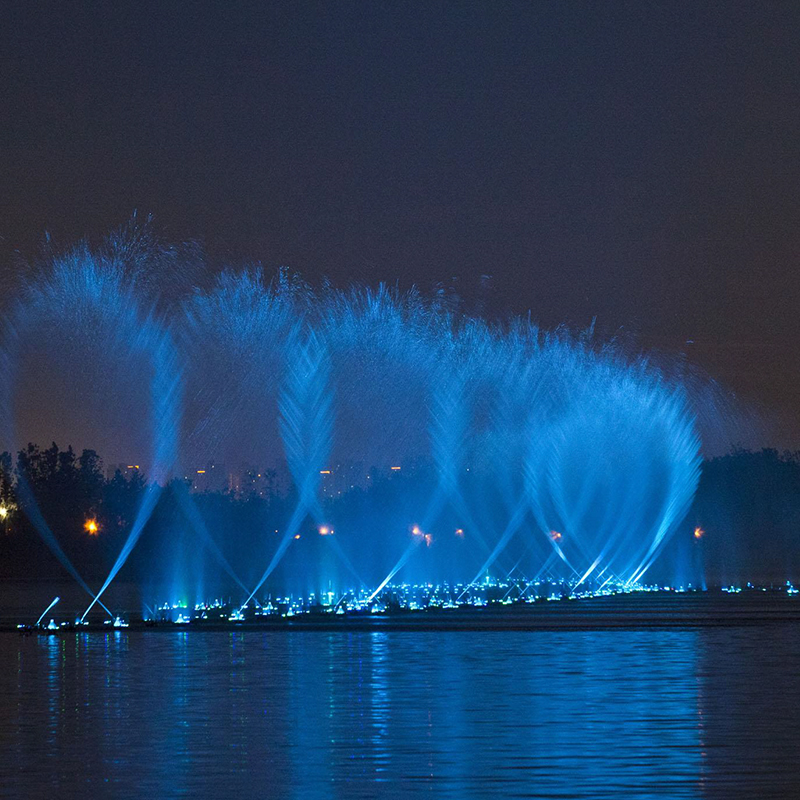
561, 456
55, 600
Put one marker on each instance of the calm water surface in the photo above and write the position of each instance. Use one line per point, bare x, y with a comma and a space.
711, 712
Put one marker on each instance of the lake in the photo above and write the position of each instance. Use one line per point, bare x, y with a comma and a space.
682, 712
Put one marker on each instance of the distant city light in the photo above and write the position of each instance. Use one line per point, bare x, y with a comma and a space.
324, 530
324, 472
555, 536
699, 532
297, 536
428, 539
3, 512
460, 533
394, 468
416, 530
201, 472
91, 527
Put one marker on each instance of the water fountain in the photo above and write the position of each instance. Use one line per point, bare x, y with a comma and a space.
502, 452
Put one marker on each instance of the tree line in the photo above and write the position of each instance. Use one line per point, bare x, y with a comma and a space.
747, 508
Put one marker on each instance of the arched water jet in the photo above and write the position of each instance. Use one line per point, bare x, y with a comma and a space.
85, 291
494, 427
305, 426
606, 477
166, 404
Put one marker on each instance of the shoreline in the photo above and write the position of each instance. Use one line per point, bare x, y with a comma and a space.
630, 611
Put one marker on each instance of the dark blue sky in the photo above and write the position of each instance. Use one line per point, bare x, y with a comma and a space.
637, 162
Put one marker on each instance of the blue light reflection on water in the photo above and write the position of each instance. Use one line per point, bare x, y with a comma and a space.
678, 713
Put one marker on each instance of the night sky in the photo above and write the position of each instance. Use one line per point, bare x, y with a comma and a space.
638, 163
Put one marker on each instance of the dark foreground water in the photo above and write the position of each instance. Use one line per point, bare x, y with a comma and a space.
708, 712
